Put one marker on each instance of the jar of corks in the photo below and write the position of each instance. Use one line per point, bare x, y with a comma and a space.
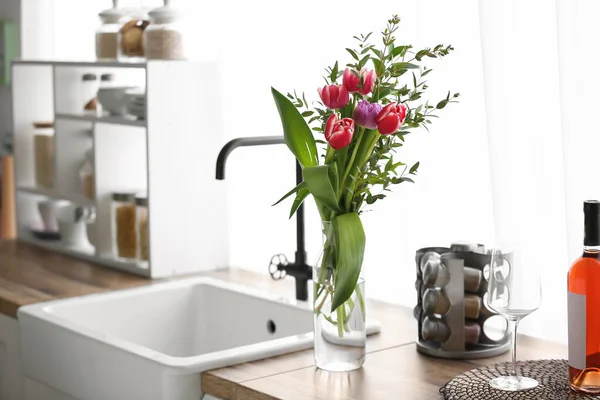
124, 226
131, 37
164, 38
108, 32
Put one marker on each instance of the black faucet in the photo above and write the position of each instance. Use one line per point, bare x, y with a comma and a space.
279, 267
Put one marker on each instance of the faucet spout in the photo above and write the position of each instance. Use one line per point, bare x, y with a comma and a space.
243, 142
299, 269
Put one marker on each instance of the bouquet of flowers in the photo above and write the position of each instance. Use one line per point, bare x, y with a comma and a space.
366, 111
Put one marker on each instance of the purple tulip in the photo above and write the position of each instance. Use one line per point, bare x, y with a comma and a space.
366, 113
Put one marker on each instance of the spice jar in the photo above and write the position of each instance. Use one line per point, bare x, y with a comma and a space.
164, 38
106, 80
123, 223
89, 91
436, 330
86, 175
141, 205
131, 37
43, 144
108, 32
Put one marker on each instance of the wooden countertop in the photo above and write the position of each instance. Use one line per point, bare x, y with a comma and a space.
29, 274
397, 372
393, 368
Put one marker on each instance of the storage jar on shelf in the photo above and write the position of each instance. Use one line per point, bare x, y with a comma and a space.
86, 175
43, 143
131, 36
141, 205
89, 91
164, 38
124, 226
107, 34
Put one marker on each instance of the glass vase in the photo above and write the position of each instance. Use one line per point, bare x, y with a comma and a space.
340, 334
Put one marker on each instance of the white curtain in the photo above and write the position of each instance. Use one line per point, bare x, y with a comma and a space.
542, 92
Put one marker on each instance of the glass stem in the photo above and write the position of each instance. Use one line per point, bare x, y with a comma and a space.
513, 369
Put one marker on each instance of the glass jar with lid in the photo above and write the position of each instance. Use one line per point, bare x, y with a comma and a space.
108, 32
164, 38
124, 226
43, 148
131, 36
86, 175
141, 206
89, 91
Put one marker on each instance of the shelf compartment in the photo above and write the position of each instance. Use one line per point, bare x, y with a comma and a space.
83, 63
120, 120
83, 254
53, 194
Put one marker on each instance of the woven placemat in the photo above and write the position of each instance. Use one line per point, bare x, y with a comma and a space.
552, 375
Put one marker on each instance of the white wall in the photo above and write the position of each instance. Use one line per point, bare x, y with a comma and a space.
288, 47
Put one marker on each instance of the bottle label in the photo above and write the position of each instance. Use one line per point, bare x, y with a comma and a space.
577, 326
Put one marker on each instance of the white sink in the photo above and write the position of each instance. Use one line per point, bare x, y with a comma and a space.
152, 342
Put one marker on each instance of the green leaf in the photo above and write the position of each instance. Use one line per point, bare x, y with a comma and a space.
350, 241
334, 72
322, 182
399, 51
300, 186
378, 66
296, 131
352, 53
414, 168
300, 196
363, 61
405, 65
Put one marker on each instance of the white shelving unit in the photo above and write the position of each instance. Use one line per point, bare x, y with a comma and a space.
171, 155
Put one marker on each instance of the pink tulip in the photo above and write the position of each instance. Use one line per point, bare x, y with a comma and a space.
352, 80
390, 118
339, 132
334, 96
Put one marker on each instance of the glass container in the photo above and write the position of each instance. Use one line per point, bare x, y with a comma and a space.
131, 36
89, 91
123, 226
107, 80
340, 336
43, 143
141, 205
164, 38
108, 32
86, 175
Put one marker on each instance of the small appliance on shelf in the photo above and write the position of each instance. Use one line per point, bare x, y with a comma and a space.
453, 317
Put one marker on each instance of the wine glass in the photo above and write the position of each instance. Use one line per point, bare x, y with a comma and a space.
514, 291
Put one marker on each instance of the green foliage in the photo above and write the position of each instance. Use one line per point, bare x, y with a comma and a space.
349, 236
350, 179
298, 136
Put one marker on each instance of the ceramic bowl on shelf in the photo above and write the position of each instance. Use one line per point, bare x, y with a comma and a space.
136, 102
113, 100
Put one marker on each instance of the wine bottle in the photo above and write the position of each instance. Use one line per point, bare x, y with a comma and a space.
583, 299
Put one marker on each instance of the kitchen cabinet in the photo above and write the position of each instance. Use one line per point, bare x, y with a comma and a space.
11, 379
171, 154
